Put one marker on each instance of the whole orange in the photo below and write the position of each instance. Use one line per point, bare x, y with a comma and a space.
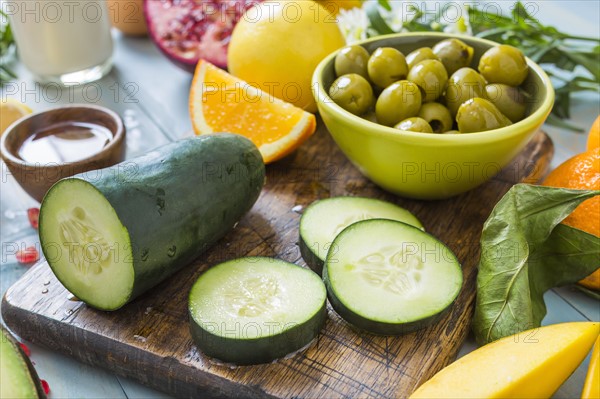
582, 172
593, 140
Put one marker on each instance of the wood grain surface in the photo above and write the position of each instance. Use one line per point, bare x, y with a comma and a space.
149, 340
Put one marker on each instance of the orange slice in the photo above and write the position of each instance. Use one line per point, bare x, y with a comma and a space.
220, 102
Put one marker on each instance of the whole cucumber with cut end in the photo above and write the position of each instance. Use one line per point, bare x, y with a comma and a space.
112, 234
255, 310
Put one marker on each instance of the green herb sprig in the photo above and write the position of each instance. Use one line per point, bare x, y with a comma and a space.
572, 62
6, 42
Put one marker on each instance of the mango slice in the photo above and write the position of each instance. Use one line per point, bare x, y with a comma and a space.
531, 364
591, 388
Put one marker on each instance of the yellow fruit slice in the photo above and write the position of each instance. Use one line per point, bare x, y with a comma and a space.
220, 102
10, 111
591, 388
531, 364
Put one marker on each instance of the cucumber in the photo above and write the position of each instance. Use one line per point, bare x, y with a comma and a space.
17, 374
389, 277
112, 234
255, 310
323, 220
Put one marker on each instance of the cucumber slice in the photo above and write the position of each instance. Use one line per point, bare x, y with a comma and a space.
323, 220
255, 310
389, 277
17, 374
89, 251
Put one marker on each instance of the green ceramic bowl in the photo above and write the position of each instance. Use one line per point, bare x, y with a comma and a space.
429, 166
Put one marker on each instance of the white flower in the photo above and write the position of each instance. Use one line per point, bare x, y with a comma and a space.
458, 20
400, 14
354, 24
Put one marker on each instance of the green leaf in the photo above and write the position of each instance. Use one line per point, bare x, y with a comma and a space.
375, 18
385, 5
591, 64
518, 243
566, 257
564, 124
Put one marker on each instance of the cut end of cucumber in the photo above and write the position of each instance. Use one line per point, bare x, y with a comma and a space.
255, 310
389, 278
86, 245
323, 220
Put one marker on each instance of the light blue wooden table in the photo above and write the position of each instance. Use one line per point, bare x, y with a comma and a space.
152, 95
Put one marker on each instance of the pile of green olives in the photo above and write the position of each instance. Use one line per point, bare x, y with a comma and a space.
432, 90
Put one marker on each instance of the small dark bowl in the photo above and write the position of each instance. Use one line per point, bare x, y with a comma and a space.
36, 178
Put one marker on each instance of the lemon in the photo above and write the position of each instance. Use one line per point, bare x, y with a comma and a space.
277, 45
10, 111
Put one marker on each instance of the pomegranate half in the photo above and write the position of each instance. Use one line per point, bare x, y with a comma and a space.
189, 30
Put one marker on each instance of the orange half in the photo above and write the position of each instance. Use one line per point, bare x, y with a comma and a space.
220, 102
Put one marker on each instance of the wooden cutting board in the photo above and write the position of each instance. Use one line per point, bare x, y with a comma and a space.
148, 340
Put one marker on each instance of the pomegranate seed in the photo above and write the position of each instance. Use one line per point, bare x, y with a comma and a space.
34, 215
25, 349
45, 386
29, 255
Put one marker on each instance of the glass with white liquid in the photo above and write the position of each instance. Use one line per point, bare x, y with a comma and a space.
62, 41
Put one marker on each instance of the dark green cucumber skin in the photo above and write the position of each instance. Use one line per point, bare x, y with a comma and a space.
245, 352
178, 200
311, 258
33, 374
379, 327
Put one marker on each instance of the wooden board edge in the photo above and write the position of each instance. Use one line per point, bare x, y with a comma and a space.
58, 339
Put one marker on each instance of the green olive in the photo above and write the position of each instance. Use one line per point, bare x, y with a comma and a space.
479, 115
353, 93
454, 54
464, 84
414, 124
386, 66
431, 77
370, 116
504, 64
509, 100
438, 117
352, 59
420, 54
397, 102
